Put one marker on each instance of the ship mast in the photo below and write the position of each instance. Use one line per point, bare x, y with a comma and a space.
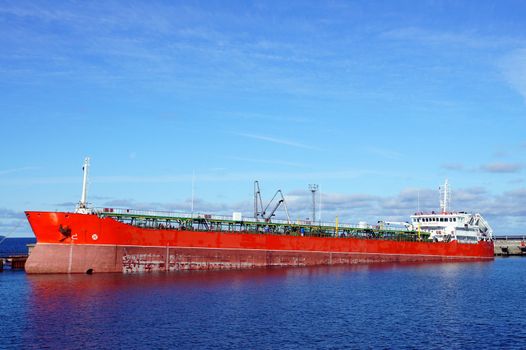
313, 188
258, 203
82, 206
444, 198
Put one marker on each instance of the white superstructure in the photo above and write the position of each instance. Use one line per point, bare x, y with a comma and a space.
446, 225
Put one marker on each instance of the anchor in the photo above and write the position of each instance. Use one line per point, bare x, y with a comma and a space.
65, 231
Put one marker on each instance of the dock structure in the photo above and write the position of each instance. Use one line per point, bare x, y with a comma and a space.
510, 245
13, 262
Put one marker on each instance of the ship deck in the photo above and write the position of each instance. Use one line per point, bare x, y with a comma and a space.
218, 223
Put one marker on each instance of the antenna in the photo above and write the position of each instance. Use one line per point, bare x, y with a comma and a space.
313, 188
82, 206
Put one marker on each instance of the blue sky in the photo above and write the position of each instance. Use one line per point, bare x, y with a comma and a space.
377, 102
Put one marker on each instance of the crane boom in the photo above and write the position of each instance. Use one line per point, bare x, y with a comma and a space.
282, 200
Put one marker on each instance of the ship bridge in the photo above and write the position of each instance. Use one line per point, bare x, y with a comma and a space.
449, 225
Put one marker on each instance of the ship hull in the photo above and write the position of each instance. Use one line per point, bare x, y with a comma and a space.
79, 243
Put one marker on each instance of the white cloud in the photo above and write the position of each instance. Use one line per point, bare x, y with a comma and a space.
502, 210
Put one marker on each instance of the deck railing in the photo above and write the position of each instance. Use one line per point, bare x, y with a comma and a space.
151, 219
183, 215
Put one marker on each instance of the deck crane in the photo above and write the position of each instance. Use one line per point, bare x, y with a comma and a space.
278, 203
260, 212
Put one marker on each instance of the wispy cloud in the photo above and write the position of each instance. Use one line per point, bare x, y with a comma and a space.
385, 153
495, 168
266, 117
209, 177
502, 167
66, 204
15, 170
500, 154
110, 44
266, 161
450, 38
453, 166
513, 67
6, 213
278, 141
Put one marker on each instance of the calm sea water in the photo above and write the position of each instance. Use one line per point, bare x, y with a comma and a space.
453, 305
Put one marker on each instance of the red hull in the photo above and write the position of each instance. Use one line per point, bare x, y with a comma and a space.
106, 245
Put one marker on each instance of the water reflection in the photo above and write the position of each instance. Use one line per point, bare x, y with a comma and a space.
209, 307
80, 286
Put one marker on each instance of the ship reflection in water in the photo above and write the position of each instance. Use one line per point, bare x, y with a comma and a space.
376, 305
79, 287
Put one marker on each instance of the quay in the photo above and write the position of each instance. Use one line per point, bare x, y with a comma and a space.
15, 261
510, 245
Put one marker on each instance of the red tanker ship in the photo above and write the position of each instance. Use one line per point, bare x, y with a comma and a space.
125, 240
